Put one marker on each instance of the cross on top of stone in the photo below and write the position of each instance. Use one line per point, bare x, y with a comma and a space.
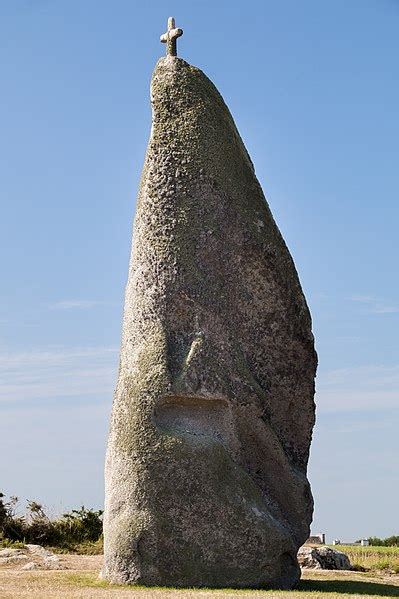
170, 37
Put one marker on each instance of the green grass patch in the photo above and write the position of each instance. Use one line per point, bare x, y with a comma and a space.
89, 580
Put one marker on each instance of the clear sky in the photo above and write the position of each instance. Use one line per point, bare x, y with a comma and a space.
314, 89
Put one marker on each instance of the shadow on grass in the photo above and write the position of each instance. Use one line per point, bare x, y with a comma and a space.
349, 587
343, 587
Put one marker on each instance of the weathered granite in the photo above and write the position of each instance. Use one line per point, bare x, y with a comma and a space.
213, 411
323, 558
34, 557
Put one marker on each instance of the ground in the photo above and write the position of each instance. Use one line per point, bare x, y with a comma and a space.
80, 581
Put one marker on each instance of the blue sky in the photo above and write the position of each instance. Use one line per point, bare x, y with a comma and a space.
313, 88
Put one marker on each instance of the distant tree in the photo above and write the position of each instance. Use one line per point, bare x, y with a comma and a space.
376, 541
392, 541
388, 542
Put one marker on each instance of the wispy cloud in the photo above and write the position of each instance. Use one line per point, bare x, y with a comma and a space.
78, 304
386, 309
356, 428
363, 299
376, 305
57, 372
360, 388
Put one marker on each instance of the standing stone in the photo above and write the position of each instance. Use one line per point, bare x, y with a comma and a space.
213, 412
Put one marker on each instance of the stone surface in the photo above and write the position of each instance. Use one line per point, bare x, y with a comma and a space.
30, 566
323, 558
11, 556
11, 553
40, 558
213, 411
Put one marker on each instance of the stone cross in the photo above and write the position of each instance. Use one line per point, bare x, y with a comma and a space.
170, 37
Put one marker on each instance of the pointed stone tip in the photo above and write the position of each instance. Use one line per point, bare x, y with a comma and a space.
175, 71
171, 61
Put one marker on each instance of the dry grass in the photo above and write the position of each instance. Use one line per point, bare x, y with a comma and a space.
81, 581
372, 558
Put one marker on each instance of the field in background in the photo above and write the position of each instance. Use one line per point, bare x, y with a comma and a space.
372, 558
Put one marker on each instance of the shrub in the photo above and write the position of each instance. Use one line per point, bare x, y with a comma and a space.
78, 527
11, 525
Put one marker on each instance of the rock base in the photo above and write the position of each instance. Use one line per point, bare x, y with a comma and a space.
30, 557
323, 558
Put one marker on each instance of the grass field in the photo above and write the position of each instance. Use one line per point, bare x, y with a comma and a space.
80, 581
372, 558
